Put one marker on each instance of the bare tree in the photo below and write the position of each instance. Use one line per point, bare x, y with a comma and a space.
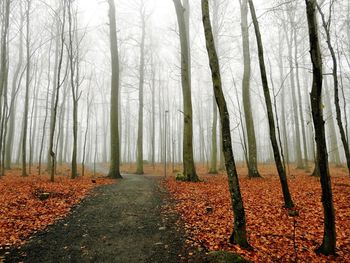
114, 169
26, 100
58, 84
189, 171
239, 235
328, 245
249, 122
139, 155
327, 27
288, 203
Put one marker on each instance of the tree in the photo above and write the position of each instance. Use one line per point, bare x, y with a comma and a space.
57, 85
189, 170
288, 203
114, 169
139, 157
239, 235
289, 37
214, 148
327, 27
26, 100
12, 112
328, 245
74, 63
4, 73
252, 152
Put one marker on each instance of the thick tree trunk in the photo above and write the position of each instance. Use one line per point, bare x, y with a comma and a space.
188, 161
288, 203
239, 235
328, 245
114, 169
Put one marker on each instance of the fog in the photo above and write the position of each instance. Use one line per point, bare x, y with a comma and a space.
162, 81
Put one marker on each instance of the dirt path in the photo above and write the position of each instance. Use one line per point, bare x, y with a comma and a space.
118, 223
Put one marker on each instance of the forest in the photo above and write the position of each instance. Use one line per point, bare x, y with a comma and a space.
174, 131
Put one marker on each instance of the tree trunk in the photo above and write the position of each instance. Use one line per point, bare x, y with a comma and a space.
301, 111
326, 26
114, 169
189, 171
239, 235
289, 37
330, 125
288, 203
328, 245
139, 155
56, 88
11, 125
26, 100
249, 122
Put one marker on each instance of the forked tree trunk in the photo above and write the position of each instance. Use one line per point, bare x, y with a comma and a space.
239, 235
328, 245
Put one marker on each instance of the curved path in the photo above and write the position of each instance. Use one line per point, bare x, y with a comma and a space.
121, 222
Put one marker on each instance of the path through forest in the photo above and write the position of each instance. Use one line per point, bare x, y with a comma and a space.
121, 222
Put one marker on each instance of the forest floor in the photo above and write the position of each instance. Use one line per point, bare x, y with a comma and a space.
145, 218
120, 221
276, 236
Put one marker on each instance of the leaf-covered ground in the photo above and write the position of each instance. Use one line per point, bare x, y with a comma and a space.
276, 237
22, 212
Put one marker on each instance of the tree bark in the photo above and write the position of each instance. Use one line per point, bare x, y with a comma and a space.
189, 170
139, 155
328, 245
288, 203
114, 169
249, 122
326, 26
26, 100
239, 235
11, 125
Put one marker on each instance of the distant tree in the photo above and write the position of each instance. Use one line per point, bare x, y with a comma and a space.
58, 84
288, 203
182, 14
139, 155
249, 122
4, 70
14, 89
239, 235
327, 28
26, 99
214, 148
328, 245
114, 169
